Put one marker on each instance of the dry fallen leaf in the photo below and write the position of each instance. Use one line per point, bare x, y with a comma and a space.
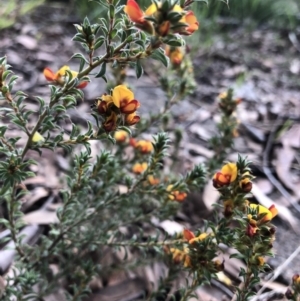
285, 157
40, 217
210, 196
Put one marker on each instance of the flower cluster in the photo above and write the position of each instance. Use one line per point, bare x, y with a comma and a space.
118, 108
162, 19
253, 234
198, 253
176, 195
59, 77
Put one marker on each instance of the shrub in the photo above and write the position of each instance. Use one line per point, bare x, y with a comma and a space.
107, 201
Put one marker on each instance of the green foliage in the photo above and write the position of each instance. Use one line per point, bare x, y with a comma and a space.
12, 9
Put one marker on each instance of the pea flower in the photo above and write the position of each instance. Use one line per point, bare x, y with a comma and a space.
268, 213
176, 195
245, 184
152, 180
144, 146
132, 119
122, 98
227, 175
188, 234
121, 136
110, 123
188, 17
139, 168
175, 54
192, 22
198, 238
59, 76
136, 15
37, 138
134, 12
181, 256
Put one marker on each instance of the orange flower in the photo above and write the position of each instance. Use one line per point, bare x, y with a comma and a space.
164, 28
59, 76
121, 136
139, 168
144, 146
134, 12
104, 104
132, 119
153, 181
188, 235
227, 175
175, 54
176, 195
132, 142
251, 231
192, 22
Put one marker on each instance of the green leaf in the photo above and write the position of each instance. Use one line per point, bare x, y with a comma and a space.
138, 69
102, 71
99, 42
159, 55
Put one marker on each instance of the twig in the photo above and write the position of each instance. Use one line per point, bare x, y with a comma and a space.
279, 270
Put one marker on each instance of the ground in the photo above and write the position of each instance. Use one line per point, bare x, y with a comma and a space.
261, 64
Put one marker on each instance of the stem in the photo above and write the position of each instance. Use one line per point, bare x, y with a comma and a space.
190, 290
11, 220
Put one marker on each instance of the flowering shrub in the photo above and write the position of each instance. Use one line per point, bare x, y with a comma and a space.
106, 194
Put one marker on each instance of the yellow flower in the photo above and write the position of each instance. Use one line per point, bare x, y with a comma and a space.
139, 168
37, 138
269, 214
152, 180
144, 146
176, 195
227, 175
296, 279
152, 9
121, 136
188, 17
121, 97
198, 238
260, 260
59, 76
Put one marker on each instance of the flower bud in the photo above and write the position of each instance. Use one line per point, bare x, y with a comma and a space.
289, 294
